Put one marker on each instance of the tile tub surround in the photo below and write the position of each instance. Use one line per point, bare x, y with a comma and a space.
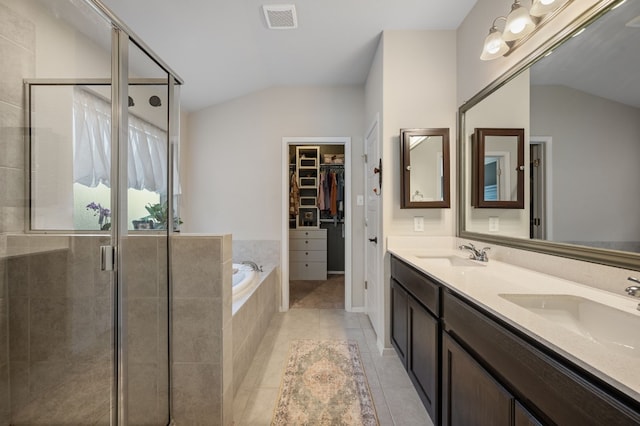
250, 323
265, 253
482, 285
202, 363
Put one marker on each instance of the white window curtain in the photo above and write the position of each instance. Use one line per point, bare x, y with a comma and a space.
147, 147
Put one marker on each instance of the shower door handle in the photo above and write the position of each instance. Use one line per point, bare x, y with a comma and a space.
107, 258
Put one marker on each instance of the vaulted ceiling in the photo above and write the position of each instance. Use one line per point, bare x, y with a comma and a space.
223, 48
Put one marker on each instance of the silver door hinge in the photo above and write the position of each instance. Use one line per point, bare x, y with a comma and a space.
366, 159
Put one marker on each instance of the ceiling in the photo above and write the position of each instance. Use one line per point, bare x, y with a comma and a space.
222, 49
604, 60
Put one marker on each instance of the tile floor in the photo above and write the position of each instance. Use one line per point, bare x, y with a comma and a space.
395, 398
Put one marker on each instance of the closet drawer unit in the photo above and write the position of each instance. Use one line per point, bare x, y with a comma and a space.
308, 234
308, 270
308, 245
308, 255
308, 201
308, 182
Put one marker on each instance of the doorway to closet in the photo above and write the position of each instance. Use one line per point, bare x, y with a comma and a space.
316, 238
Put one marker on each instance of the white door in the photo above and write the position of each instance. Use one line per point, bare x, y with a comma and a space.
372, 229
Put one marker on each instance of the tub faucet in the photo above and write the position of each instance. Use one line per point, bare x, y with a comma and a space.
476, 254
253, 265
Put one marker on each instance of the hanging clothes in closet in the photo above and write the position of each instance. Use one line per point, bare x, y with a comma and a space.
331, 194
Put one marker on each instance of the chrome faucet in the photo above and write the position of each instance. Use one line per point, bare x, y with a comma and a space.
253, 265
634, 290
476, 254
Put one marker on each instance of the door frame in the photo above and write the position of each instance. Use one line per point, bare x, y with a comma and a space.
284, 246
547, 148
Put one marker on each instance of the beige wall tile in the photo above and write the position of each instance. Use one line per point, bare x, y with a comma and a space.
49, 275
140, 266
17, 64
4, 396
196, 396
16, 28
196, 270
12, 134
19, 329
196, 333
143, 330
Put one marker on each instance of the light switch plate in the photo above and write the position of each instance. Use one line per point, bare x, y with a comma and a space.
418, 223
360, 200
494, 224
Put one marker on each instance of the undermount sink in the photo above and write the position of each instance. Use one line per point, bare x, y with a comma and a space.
445, 261
608, 326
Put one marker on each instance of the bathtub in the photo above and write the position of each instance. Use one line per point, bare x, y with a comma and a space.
244, 282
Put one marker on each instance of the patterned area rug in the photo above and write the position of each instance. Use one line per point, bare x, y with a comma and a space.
324, 384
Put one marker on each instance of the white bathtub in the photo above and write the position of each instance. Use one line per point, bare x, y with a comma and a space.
244, 281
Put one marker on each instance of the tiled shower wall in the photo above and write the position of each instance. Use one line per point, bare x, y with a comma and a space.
60, 331
17, 50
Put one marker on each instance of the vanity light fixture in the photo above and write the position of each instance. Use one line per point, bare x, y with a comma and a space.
519, 23
542, 7
494, 44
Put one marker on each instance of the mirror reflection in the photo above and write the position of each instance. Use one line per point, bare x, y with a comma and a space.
498, 177
425, 176
580, 108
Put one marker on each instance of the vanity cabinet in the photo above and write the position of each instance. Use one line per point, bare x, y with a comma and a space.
469, 366
415, 330
537, 385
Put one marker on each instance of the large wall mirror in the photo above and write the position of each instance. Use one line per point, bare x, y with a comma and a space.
578, 101
425, 168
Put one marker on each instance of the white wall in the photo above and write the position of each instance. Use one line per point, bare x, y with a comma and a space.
504, 108
411, 84
595, 164
233, 158
419, 86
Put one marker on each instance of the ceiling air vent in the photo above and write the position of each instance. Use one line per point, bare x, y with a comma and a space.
280, 16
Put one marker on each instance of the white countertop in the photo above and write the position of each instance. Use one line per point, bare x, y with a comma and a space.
484, 284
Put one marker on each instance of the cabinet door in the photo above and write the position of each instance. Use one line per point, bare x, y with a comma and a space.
470, 395
524, 418
399, 300
422, 360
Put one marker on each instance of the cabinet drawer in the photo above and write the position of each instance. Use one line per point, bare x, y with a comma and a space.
421, 287
295, 245
308, 256
307, 270
555, 389
307, 234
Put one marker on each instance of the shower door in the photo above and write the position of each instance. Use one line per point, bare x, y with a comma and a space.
84, 159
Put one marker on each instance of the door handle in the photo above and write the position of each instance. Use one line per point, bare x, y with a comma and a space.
374, 240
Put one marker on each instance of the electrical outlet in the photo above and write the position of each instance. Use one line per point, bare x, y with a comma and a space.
494, 224
418, 223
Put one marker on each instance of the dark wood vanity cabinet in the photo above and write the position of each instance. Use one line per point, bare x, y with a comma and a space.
415, 330
537, 385
471, 368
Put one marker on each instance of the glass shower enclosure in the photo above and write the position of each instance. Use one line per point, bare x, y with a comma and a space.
88, 132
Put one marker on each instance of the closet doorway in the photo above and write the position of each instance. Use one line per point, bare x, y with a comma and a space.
316, 224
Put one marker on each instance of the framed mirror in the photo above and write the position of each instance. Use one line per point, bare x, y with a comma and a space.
425, 168
498, 168
579, 108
